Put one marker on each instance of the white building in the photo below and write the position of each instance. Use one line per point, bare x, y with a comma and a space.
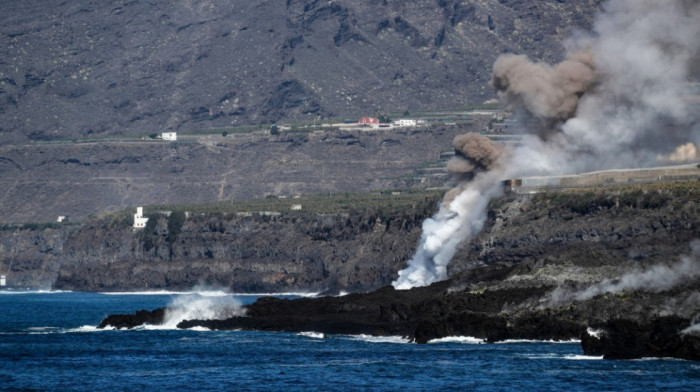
61, 218
139, 220
171, 136
3, 280
405, 122
295, 207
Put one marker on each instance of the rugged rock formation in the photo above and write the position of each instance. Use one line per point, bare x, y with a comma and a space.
629, 321
142, 317
547, 271
628, 339
74, 70
299, 251
596, 230
31, 256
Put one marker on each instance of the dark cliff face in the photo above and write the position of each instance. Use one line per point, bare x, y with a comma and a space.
104, 68
570, 239
31, 257
257, 253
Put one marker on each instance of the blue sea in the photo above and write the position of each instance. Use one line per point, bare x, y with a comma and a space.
48, 342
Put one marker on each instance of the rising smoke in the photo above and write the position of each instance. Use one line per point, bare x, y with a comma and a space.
618, 100
655, 279
684, 153
547, 93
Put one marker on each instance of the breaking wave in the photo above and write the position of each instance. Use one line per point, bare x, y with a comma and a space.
15, 292
199, 307
458, 339
379, 339
210, 293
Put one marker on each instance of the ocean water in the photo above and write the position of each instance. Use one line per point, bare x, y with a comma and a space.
48, 342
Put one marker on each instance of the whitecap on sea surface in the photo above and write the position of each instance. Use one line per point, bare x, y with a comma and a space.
379, 339
315, 335
458, 339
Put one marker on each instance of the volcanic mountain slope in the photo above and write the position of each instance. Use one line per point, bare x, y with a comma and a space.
76, 69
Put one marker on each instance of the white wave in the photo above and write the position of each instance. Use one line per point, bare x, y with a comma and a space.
507, 341
59, 330
199, 329
288, 294
166, 292
314, 335
577, 357
41, 328
15, 292
379, 339
660, 359
197, 307
542, 356
458, 339
89, 328
210, 293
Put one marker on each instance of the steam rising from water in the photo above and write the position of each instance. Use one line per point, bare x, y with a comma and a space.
618, 100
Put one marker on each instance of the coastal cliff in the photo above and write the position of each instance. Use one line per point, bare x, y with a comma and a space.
245, 252
617, 269
579, 237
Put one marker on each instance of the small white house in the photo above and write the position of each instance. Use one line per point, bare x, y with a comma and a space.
170, 136
3, 280
139, 220
405, 122
295, 207
61, 218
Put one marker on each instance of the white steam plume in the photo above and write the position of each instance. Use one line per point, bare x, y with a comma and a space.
457, 221
618, 100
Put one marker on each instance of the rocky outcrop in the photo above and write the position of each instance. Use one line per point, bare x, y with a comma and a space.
628, 339
128, 321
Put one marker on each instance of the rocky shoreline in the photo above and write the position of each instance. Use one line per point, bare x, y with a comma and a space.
615, 325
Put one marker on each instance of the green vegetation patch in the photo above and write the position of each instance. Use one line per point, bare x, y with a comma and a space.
648, 196
386, 202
